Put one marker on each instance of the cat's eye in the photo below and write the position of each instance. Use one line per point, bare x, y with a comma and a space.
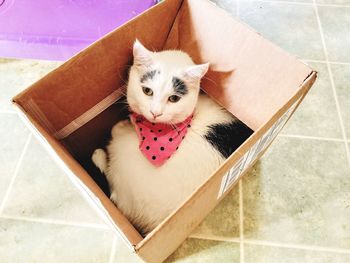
174, 98
147, 91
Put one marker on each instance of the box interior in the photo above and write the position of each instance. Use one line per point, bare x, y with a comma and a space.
248, 75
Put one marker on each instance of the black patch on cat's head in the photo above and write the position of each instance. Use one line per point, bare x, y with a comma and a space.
148, 75
179, 86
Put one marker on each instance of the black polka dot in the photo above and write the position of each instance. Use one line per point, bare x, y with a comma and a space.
154, 157
140, 129
147, 147
151, 130
162, 148
183, 137
170, 139
189, 126
177, 147
159, 130
155, 138
143, 138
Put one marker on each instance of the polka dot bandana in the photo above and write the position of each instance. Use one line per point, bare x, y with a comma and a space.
159, 141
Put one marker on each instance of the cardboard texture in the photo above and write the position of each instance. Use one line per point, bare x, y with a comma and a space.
73, 108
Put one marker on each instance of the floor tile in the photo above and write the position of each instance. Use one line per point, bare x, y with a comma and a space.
335, 22
42, 190
35, 242
223, 221
123, 254
317, 115
334, 2
341, 76
299, 193
199, 250
228, 5
292, 27
264, 254
16, 75
13, 136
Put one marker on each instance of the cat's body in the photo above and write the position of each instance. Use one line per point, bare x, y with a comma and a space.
147, 194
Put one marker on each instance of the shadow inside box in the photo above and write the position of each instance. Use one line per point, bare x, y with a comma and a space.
93, 135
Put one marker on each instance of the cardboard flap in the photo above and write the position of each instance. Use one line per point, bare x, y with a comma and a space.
249, 75
99, 70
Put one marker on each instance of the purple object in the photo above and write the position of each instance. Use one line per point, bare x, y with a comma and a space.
57, 29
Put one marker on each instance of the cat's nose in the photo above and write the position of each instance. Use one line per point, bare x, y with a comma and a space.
156, 114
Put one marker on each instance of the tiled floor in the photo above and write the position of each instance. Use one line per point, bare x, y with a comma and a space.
294, 206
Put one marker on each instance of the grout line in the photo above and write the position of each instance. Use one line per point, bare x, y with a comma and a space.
19, 162
215, 238
54, 222
325, 62
241, 221
295, 246
272, 244
332, 81
113, 250
310, 137
298, 3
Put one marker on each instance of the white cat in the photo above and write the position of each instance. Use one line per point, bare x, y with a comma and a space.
164, 87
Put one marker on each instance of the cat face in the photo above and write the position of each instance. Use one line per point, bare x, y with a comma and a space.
163, 86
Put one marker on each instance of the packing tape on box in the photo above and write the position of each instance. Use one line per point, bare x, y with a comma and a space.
89, 115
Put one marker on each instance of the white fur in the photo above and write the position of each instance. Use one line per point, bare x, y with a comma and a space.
144, 193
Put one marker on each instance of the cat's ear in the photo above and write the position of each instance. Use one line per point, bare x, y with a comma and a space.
142, 56
196, 72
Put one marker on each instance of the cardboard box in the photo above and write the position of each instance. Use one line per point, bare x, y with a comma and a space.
72, 109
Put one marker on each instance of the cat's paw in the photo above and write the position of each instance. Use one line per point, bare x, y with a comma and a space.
99, 158
120, 128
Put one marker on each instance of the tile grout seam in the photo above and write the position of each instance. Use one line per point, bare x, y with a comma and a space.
241, 221
14, 175
113, 250
325, 50
311, 137
55, 222
325, 62
272, 244
297, 3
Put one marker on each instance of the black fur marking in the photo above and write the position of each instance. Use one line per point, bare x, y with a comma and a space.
227, 137
148, 75
179, 86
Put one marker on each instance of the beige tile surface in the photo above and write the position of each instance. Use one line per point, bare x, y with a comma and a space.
295, 201
23, 241
197, 250
16, 75
299, 193
317, 115
336, 28
292, 27
341, 74
42, 190
266, 254
227, 213
13, 136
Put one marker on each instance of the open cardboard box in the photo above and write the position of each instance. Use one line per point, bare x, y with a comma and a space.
73, 108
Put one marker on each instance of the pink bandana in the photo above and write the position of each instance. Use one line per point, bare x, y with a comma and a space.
159, 141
